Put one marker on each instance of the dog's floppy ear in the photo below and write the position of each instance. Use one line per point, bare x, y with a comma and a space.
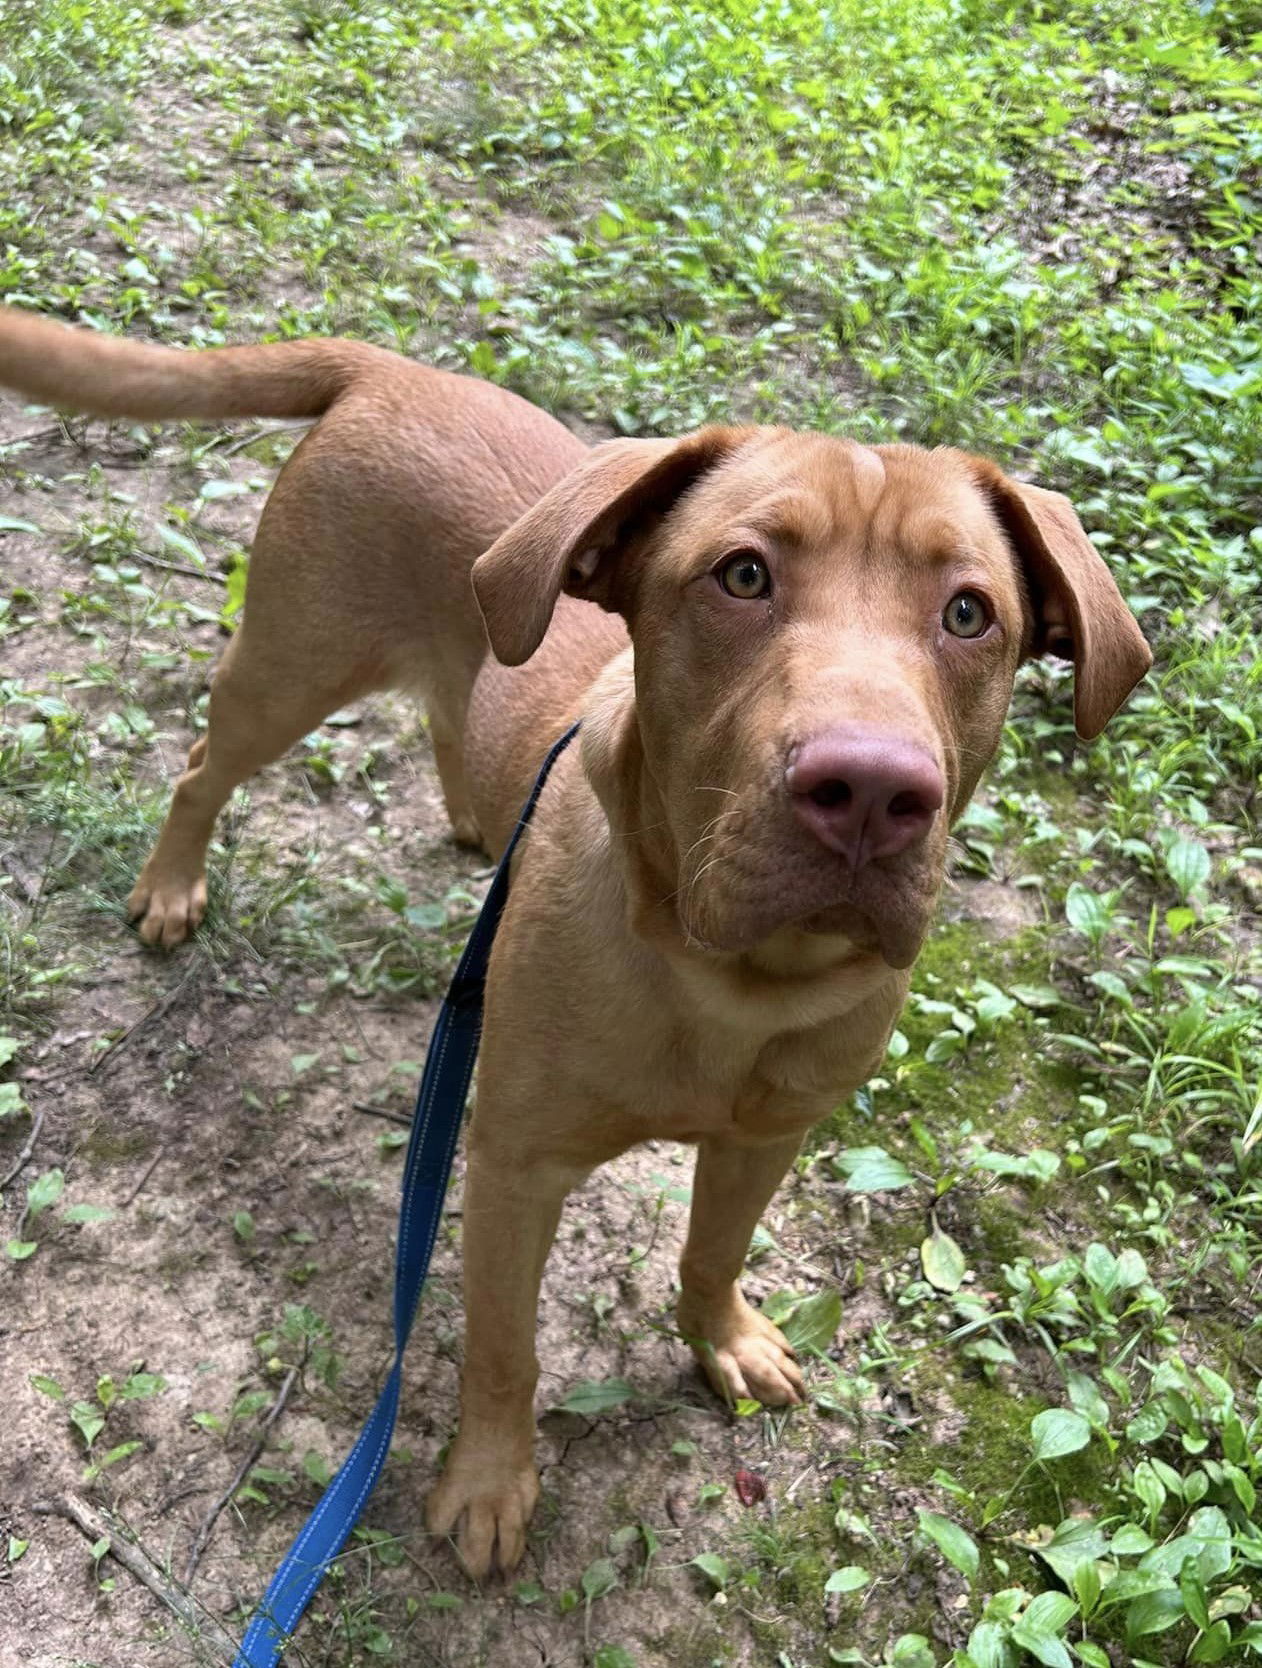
566, 541
1079, 613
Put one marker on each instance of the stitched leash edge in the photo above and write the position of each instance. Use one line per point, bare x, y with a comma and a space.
431, 1150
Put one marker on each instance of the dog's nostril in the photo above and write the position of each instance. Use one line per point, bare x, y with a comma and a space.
907, 804
830, 793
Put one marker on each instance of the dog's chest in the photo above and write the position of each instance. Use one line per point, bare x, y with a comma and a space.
763, 1088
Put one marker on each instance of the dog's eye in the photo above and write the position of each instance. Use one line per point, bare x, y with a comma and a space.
965, 615
745, 576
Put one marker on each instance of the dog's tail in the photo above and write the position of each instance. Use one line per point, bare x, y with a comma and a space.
113, 376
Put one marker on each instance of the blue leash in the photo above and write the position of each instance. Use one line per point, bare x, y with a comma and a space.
431, 1148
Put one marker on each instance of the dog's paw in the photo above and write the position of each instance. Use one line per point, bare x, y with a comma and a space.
167, 911
487, 1503
746, 1358
465, 831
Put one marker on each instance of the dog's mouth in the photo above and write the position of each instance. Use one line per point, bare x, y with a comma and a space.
883, 907
895, 938
879, 911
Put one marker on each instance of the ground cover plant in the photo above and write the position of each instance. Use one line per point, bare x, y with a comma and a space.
1024, 1263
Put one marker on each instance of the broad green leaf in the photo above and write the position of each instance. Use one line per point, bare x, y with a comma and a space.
45, 1190
316, 1467
1087, 1587
1045, 1647
123, 1451
1100, 1266
1187, 864
596, 1396
1112, 985
955, 1544
942, 1260
88, 1213
1085, 1398
988, 1646
849, 1579
813, 1323
714, 1568
1049, 1612
911, 1650
1039, 1165
1211, 1532
139, 1387
1214, 1645
872, 1170
1149, 1487
1076, 1542
1154, 1613
1057, 1432
599, 1578
88, 1420
1036, 996
1129, 1542
1132, 1584
1087, 912
1095, 1656
1195, 1599
1148, 1424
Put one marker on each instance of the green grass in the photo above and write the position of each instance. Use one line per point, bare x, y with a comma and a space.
1025, 228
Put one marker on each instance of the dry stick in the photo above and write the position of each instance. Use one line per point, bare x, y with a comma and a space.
156, 1012
403, 1118
24, 1157
262, 431
243, 1470
148, 1171
124, 1547
179, 567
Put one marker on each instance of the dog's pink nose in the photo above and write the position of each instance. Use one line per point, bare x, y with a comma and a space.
863, 792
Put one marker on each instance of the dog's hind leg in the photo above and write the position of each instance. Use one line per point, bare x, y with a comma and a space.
258, 709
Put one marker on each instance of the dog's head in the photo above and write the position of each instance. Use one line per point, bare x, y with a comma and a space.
825, 638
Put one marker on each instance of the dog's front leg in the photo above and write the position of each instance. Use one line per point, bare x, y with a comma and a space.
742, 1353
489, 1485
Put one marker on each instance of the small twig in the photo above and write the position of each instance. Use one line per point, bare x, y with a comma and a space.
261, 433
179, 567
243, 1470
404, 1118
148, 1171
126, 1549
156, 1012
54, 432
24, 1157
797, 1482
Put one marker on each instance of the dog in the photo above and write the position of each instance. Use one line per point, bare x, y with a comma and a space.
792, 656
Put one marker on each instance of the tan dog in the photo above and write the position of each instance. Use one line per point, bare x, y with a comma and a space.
709, 931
